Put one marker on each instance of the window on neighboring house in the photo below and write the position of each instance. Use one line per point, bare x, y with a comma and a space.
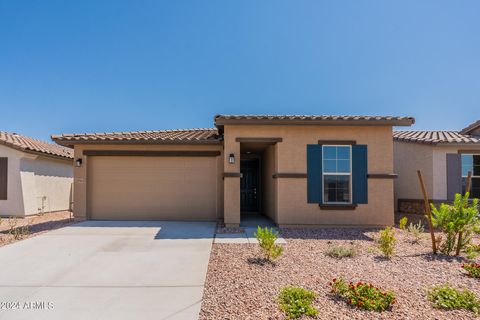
471, 162
337, 174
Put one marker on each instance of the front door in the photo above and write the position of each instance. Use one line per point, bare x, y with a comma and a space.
249, 185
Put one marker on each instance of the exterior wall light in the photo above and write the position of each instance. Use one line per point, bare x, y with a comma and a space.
78, 162
231, 158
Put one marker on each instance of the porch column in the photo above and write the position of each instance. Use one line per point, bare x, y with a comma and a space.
231, 183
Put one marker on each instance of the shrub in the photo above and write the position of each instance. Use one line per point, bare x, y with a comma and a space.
446, 297
296, 302
266, 239
403, 223
340, 252
473, 269
18, 232
416, 230
457, 220
387, 242
363, 295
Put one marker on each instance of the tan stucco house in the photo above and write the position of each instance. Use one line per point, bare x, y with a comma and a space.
35, 176
443, 157
297, 170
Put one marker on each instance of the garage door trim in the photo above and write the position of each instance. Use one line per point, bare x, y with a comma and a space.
151, 153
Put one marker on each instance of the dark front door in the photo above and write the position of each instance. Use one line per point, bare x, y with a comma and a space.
249, 185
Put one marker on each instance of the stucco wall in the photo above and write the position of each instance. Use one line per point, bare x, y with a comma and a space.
292, 207
269, 198
408, 158
32, 178
46, 183
80, 173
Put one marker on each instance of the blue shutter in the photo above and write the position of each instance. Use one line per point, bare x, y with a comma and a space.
314, 173
359, 174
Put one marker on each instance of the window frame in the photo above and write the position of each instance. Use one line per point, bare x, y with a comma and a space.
461, 168
350, 185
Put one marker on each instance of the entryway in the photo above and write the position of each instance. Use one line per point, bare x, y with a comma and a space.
257, 188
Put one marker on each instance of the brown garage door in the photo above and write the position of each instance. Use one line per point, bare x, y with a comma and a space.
151, 188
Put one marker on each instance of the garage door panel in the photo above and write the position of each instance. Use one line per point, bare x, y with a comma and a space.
173, 188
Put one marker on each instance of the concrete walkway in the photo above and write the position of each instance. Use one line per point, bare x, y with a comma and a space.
108, 270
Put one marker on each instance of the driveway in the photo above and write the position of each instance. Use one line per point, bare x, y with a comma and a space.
107, 270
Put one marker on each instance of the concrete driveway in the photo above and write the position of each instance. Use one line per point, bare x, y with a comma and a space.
107, 270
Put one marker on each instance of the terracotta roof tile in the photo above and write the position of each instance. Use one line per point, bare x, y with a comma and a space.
159, 136
27, 144
351, 119
435, 137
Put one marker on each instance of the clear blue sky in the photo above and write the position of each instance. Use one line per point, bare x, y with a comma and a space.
87, 66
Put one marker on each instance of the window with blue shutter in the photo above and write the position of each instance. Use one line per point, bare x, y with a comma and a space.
337, 174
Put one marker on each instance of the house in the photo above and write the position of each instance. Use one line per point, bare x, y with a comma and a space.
444, 158
35, 176
297, 170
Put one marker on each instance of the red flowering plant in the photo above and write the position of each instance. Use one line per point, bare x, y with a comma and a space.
363, 295
473, 269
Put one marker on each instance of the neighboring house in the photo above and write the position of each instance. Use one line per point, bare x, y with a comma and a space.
297, 170
35, 176
444, 158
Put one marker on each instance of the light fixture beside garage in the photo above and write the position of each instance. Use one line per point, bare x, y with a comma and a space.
231, 158
78, 162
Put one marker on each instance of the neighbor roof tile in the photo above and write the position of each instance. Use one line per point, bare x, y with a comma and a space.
27, 144
435, 137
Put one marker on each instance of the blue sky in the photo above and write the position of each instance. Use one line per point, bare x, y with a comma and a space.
88, 66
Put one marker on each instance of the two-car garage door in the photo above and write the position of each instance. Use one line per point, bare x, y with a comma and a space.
151, 188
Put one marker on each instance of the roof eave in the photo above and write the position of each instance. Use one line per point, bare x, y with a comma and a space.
72, 143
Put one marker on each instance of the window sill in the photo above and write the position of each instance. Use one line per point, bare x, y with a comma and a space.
338, 206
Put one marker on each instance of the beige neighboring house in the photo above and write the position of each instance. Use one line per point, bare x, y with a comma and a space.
444, 158
296, 170
35, 176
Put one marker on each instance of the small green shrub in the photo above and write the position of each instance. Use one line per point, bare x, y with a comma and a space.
473, 269
458, 220
446, 297
387, 241
472, 251
416, 230
403, 223
340, 252
363, 295
266, 239
296, 302
18, 232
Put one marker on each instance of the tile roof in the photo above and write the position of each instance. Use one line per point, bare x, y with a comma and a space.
305, 119
471, 128
27, 144
205, 135
435, 137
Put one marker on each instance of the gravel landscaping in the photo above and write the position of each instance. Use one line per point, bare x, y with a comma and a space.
37, 224
238, 287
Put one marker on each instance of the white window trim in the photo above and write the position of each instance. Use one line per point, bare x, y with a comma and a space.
336, 174
470, 154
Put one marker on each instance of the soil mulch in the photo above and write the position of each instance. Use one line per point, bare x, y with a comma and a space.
37, 224
238, 287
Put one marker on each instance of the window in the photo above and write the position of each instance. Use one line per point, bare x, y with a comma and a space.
3, 178
337, 174
471, 162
